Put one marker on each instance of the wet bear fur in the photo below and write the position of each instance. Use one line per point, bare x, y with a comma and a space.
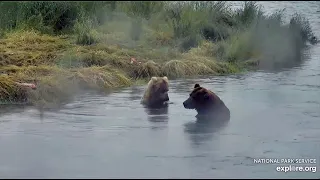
207, 104
156, 93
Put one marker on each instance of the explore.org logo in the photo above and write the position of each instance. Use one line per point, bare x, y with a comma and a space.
292, 168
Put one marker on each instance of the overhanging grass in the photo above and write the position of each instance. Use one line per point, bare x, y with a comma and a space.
96, 67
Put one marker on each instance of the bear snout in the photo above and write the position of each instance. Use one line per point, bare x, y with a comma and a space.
165, 96
188, 104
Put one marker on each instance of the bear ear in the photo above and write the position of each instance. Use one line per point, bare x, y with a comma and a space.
196, 85
165, 78
154, 79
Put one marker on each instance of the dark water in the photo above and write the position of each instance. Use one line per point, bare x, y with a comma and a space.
273, 115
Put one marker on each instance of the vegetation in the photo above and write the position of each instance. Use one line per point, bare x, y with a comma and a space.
64, 47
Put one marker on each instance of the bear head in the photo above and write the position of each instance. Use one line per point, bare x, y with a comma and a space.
199, 99
157, 91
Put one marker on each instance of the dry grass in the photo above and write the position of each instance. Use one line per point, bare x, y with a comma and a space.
30, 48
55, 85
48, 79
61, 68
148, 69
192, 65
10, 91
101, 78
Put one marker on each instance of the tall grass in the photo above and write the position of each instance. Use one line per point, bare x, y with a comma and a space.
56, 16
238, 34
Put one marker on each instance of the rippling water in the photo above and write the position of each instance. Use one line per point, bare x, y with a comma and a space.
273, 115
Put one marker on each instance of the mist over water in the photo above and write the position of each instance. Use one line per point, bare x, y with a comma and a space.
274, 114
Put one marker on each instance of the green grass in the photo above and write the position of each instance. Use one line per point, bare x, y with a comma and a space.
66, 47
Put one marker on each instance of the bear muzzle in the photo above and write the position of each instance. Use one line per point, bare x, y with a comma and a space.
188, 104
165, 96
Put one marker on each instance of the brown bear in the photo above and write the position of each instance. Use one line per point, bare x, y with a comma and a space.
156, 94
207, 104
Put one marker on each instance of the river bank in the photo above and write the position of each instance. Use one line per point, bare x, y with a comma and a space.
45, 69
51, 64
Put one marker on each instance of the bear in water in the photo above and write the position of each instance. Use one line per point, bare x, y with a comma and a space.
207, 104
156, 94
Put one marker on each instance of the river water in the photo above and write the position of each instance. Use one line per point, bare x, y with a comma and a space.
273, 115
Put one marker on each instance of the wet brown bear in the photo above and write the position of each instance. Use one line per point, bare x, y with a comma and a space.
156, 94
207, 104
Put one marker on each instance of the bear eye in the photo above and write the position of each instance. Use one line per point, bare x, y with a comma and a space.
163, 90
193, 97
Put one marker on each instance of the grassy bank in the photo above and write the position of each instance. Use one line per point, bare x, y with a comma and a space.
88, 45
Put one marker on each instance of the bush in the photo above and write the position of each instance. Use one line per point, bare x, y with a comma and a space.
84, 33
56, 16
302, 29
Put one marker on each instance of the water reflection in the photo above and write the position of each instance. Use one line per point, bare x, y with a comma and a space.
8, 109
159, 114
203, 130
278, 64
41, 114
